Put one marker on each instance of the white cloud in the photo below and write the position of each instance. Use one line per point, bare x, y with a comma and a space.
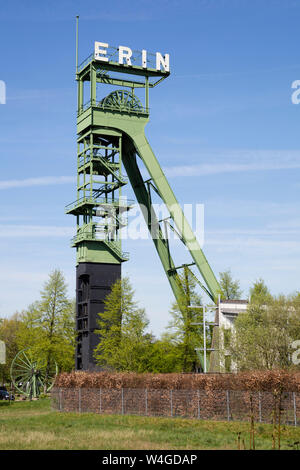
39, 94
288, 224
40, 181
267, 245
241, 160
238, 160
22, 231
241, 208
212, 169
263, 232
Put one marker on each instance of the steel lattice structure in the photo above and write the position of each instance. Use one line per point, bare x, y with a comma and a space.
111, 134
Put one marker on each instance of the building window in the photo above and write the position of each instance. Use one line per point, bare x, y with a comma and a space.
83, 288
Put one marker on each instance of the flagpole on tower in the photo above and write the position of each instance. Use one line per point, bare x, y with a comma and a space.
77, 19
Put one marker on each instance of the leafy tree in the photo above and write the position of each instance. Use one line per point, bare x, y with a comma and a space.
230, 289
182, 329
263, 336
259, 293
124, 344
165, 356
48, 325
9, 328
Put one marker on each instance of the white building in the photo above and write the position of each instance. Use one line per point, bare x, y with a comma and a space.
226, 314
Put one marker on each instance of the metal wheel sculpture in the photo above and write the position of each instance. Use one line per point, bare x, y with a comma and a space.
30, 376
122, 100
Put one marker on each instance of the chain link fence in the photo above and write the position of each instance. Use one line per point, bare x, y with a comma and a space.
198, 404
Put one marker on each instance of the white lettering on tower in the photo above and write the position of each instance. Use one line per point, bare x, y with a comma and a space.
101, 53
164, 61
144, 59
125, 53
127, 56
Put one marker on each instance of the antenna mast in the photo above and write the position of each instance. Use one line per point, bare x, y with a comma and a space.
77, 18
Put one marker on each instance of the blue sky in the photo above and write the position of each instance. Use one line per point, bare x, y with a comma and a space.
223, 127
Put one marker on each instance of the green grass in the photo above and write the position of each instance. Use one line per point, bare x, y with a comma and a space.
33, 425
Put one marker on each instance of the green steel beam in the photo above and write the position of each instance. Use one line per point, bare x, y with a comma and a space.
143, 198
145, 152
183, 228
128, 83
118, 82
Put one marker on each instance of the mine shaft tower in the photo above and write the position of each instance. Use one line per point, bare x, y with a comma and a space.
110, 136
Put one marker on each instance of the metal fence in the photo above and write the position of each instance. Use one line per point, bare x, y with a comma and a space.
198, 404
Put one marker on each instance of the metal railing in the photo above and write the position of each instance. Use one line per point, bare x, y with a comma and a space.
85, 62
219, 405
93, 232
98, 201
112, 108
112, 55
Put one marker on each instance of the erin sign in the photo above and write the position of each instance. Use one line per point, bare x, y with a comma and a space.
126, 56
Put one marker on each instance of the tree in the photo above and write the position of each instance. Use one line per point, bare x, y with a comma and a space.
259, 293
9, 328
48, 325
183, 332
263, 336
165, 356
230, 289
124, 344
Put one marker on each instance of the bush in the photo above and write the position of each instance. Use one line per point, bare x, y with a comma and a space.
252, 381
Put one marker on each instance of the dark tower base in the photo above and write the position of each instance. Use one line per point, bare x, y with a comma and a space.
93, 283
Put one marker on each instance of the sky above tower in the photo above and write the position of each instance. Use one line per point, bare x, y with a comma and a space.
223, 127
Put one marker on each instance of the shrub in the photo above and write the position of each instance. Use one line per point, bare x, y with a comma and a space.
252, 381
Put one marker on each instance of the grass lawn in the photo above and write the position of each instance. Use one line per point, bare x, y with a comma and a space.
33, 425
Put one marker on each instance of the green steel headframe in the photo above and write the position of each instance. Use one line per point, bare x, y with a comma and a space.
111, 134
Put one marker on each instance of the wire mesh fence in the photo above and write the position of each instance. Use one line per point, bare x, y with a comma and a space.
222, 405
